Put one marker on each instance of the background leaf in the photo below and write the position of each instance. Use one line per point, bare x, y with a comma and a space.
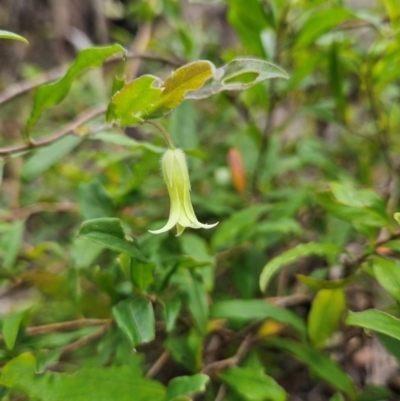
183, 387
326, 311
253, 384
108, 232
375, 320
49, 95
102, 384
136, 319
290, 256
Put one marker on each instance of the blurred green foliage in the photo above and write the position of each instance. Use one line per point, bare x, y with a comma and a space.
300, 173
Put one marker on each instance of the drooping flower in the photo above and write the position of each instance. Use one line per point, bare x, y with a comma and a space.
176, 176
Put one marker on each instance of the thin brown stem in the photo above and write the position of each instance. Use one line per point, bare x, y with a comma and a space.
68, 129
23, 213
165, 134
66, 326
84, 340
244, 347
158, 364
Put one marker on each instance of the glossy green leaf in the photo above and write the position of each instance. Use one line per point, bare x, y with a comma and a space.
290, 256
253, 384
242, 310
10, 243
12, 36
136, 319
387, 273
148, 97
94, 200
11, 325
319, 23
43, 158
228, 77
49, 95
185, 386
109, 233
320, 364
376, 320
326, 311
89, 383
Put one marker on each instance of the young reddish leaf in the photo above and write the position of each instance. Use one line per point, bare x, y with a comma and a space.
237, 170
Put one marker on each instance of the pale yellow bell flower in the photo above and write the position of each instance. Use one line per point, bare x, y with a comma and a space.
176, 176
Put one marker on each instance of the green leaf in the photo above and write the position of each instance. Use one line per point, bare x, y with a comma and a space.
84, 251
242, 310
187, 349
49, 95
172, 308
185, 386
253, 384
387, 273
148, 98
326, 311
337, 397
373, 392
11, 325
196, 300
321, 365
290, 256
249, 21
336, 81
376, 320
12, 36
108, 232
43, 158
142, 274
361, 208
136, 319
94, 200
228, 77
325, 284
319, 23
91, 383
11, 242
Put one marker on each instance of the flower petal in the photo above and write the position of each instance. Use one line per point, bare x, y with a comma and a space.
174, 213
179, 229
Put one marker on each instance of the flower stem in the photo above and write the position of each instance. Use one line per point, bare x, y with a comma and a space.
164, 133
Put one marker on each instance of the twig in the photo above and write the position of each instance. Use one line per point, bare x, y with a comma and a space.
70, 128
158, 364
84, 340
290, 300
23, 213
66, 326
22, 87
221, 393
232, 361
